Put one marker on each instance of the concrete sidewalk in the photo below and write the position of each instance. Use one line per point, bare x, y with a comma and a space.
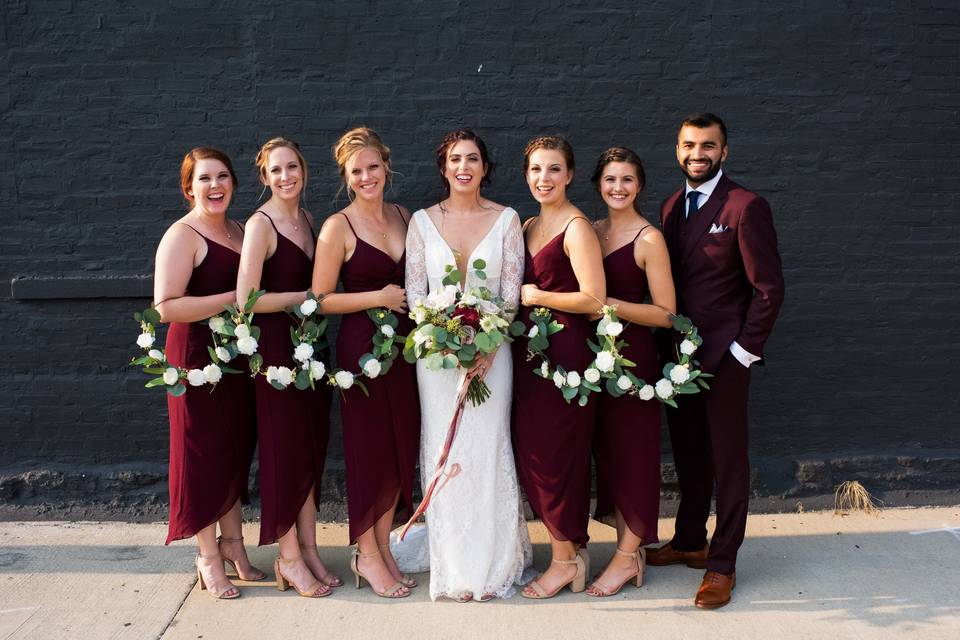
810, 575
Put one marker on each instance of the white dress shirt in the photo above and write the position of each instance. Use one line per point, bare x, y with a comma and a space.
705, 190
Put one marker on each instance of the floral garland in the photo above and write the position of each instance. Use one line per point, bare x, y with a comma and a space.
611, 366
230, 338
309, 338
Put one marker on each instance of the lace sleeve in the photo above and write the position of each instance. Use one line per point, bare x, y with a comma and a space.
511, 270
416, 267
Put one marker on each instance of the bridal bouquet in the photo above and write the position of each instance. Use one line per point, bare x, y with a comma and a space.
455, 327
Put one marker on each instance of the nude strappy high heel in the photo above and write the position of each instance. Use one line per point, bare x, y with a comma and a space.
329, 578
600, 590
406, 580
577, 583
220, 591
393, 591
252, 577
315, 590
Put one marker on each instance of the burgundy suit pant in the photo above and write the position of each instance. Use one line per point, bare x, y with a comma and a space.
708, 432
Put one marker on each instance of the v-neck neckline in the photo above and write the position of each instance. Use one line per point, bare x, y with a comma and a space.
447, 244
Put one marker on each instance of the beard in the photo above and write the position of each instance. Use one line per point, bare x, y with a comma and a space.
707, 177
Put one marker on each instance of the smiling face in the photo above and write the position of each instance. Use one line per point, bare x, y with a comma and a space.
700, 152
212, 186
620, 185
548, 176
283, 173
464, 168
366, 174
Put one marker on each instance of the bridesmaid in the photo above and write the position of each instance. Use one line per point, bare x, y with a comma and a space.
626, 440
563, 272
212, 433
293, 425
363, 245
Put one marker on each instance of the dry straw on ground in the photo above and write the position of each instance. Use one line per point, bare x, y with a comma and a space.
853, 496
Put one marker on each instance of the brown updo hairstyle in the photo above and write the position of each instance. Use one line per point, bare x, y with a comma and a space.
275, 143
353, 142
619, 154
553, 143
189, 164
448, 141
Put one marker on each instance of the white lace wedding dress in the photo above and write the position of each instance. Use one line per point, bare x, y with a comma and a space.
478, 540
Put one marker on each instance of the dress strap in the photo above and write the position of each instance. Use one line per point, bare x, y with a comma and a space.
270, 219
570, 221
642, 229
400, 213
194, 229
307, 218
352, 230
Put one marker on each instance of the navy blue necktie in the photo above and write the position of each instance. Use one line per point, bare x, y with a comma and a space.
693, 197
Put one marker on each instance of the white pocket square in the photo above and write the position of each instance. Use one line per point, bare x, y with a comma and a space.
718, 228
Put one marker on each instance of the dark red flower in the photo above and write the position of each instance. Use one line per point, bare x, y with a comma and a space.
468, 317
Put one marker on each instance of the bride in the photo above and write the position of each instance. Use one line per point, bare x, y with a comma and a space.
478, 539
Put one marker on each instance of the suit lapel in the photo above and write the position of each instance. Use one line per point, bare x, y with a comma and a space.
705, 216
673, 213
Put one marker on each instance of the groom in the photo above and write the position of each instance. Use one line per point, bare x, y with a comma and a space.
726, 268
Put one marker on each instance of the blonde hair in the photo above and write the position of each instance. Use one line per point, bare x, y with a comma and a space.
353, 142
275, 143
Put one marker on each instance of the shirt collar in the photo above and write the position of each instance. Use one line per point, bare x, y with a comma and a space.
706, 188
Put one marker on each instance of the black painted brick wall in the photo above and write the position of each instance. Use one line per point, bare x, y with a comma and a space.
844, 115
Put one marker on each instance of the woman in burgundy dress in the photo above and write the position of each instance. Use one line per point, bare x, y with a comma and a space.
552, 438
363, 245
293, 425
626, 440
212, 433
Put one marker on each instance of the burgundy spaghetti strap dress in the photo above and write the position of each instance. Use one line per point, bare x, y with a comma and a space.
293, 425
626, 441
551, 438
212, 432
381, 434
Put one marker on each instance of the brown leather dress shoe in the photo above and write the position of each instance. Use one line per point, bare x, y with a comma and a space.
668, 555
714, 591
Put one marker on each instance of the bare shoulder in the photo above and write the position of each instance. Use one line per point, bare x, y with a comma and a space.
335, 223
652, 236
258, 224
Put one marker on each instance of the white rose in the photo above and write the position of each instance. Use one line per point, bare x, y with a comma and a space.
372, 368
687, 348
592, 375
679, 374
272, 373
558, 379
534, 332
449, 295
156, 354
605, 361
544, 369
344, 379
247, 346
303, 352
196, 378
171, 376
488, 307
242, 331
664, 388
624, 383
317, 369
145, 340
468, 299
216, 324
284, 376
614, 329
308, 306
419, 313
387, 330
420, 337
212, 373
573, 379
646, 392
223, 353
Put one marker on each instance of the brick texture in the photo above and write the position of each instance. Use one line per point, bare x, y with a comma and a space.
844, 116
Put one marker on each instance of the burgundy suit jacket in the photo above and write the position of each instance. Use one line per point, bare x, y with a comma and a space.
730, 282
